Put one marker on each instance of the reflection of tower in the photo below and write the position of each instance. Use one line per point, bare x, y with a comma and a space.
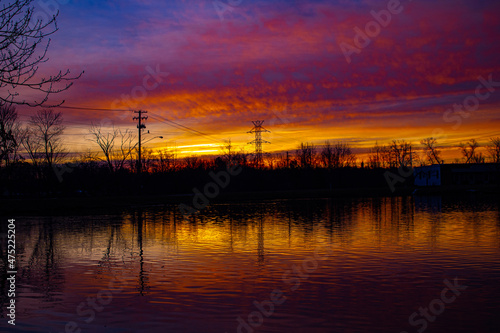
258, 129
142, 277
260, 240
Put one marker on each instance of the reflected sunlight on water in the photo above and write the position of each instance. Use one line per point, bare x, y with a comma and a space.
342, 265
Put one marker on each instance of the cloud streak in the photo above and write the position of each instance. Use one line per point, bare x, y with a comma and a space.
275, 55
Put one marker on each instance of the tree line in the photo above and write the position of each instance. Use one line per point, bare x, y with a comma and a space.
40, 143
32, 155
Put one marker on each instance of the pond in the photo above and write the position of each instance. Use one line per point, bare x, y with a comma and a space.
390, 264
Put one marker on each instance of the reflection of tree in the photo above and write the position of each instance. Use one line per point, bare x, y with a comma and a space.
231, 227
142, 276
43, 270
289, 228
340, 214
260, 239
105, 261
376, 204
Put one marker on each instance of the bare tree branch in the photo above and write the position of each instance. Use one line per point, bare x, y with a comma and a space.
24, 43
46, 129
431, 151
469, 152
10, 134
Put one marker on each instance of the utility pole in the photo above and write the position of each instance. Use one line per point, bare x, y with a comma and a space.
140, 126
258, 129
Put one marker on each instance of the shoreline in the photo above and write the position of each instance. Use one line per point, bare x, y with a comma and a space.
104, 204
82, 205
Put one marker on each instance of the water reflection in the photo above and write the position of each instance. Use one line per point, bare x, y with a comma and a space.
386, 257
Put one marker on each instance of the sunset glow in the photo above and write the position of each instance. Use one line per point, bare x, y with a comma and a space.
216, 72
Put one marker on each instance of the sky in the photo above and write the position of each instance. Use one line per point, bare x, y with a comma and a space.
354, 71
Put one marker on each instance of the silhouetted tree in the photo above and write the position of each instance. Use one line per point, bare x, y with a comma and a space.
326, 155
193, 162
10, 134
306, 153
242, 157
337, 156
148, 160
88, 158
23, 48
166, 160
379, 156
494, 149
116, 145
33, 147
431, 151
229, 154
282, 160
469, 151
46, 129
400, 154
105, 141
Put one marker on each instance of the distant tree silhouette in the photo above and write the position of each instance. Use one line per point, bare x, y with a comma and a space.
106, 142
228, 152
149, 160
10, 135
379, 157
44, 132
326, 155
243, 158
431, 151
337, 156
23, 48
469, 151
193, 162
494, 149
400, 154
306, 154
117, 146
166, 160
33, 148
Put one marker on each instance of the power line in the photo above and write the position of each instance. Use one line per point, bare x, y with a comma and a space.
91, 109
185, 128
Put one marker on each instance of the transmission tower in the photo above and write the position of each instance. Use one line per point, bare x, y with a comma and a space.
258, 129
